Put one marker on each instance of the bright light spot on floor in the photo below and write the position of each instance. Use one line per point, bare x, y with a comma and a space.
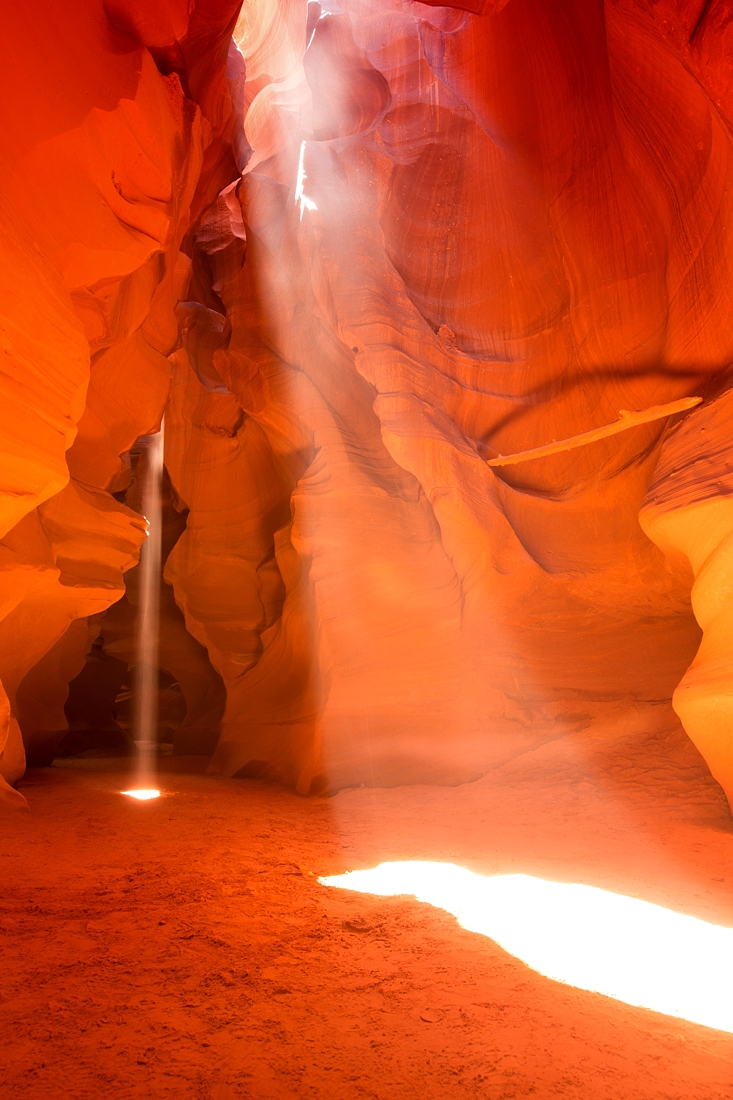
143, 796
636, 952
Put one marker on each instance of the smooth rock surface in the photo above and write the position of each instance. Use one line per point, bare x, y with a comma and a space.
353, 255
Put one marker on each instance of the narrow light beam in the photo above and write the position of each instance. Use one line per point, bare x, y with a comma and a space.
148, 620
300, 196
142, 796
631, 950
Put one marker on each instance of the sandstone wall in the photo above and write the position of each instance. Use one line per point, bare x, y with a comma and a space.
375, 246
102, 155
470, 230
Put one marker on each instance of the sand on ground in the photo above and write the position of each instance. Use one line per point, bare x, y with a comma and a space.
185, 948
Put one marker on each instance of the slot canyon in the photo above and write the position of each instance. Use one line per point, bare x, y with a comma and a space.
366, 500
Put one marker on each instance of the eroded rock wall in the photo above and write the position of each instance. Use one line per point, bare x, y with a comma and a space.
470, 230
103, 148
353, 259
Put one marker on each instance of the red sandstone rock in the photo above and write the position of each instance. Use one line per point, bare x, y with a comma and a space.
498, 261
103, 155
689, 514
462, 230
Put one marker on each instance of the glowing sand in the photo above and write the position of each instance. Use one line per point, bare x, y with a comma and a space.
143, 796
631, 950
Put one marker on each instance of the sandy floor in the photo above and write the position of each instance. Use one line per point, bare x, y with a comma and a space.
184, 948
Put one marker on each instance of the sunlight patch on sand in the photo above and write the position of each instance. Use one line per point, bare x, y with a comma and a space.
625, 948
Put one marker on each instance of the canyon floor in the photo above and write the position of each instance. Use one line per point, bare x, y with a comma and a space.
185, 948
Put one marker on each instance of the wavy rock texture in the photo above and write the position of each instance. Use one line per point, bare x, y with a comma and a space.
460, 230
103, 154
689, 514
470, 230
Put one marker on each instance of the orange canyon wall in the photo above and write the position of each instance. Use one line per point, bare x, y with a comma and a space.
101, 176
352, 258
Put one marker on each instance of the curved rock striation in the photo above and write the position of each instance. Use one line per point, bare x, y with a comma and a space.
688, 513
516, 235
355, 255
103, 154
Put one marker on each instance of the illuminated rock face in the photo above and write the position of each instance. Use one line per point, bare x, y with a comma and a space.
515, 236
460, 231
102, 156
689, 514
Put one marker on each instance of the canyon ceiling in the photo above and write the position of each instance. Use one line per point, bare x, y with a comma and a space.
352, 251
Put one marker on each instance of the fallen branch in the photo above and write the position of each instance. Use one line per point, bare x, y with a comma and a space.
626, 420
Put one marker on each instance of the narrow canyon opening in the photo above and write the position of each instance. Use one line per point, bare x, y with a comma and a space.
366, 595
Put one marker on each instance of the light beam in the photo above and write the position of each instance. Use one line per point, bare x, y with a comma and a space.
300, 196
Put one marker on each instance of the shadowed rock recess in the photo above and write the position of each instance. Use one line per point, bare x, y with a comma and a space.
352, 252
